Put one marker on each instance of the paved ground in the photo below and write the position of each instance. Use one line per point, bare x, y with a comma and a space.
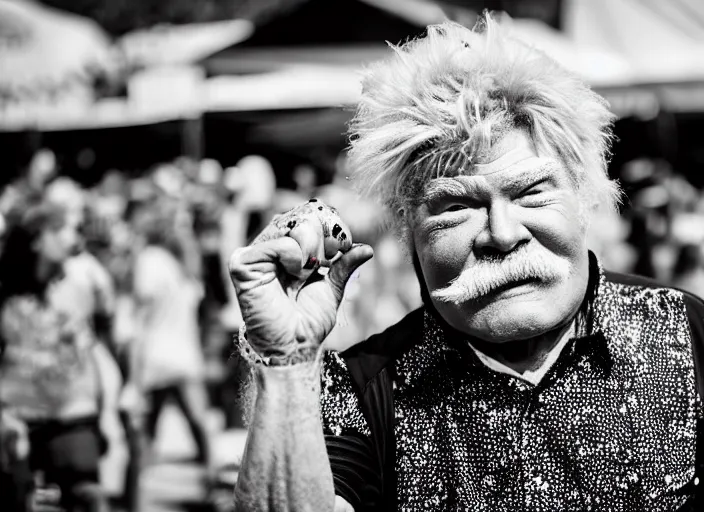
171, 482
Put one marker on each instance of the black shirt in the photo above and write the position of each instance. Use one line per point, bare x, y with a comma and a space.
414, 421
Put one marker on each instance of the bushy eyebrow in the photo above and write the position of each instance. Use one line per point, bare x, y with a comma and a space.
471, 186
451, 187
520, 182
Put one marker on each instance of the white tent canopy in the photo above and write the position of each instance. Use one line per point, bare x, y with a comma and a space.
597, 65
42, 47
294, 80
620, 47
49, 60
182, 44
663, 41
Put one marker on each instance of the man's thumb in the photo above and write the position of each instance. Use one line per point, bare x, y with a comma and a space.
342, 269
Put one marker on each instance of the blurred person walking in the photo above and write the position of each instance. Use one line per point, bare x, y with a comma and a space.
89, 287
49, 376
167, 361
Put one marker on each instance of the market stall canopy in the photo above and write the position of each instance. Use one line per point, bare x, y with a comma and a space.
597, 65
182, 44
288, 88
50, 62
145, 104
295, 61
662, 41
328, 74
45, 50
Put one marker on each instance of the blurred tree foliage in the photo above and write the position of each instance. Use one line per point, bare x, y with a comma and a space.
120, 16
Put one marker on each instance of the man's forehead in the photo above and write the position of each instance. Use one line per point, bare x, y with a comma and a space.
513, 149
512, 162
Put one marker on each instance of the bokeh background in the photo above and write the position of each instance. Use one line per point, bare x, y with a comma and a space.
217, 114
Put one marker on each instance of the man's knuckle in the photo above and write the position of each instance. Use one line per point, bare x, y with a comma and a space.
235, 264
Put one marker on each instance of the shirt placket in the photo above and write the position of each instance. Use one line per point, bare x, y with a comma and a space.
505, 482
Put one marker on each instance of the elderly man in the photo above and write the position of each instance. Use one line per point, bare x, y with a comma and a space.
532, 379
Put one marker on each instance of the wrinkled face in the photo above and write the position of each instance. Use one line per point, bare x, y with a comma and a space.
502, 250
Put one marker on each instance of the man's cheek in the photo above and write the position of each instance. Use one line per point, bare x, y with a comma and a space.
557, 230
444, 258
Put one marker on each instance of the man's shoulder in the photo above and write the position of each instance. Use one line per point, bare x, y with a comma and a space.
630, 282
367, 359
693, 305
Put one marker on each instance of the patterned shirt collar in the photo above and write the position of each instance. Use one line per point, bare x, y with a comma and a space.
441, 344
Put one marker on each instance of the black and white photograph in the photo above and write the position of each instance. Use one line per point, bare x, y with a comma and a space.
351, 255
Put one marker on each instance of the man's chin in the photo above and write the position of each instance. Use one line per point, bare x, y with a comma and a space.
513, 323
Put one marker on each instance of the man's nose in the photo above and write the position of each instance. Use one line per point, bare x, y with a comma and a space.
503, 230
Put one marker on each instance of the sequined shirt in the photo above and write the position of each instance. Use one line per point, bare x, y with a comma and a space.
415, 422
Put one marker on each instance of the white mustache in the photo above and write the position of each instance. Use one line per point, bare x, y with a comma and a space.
488, 275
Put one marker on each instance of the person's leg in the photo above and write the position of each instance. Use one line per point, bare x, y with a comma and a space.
134, 440
73, 455
15, 474
156, 399
81, 493
42, 493
192, 399
16, 485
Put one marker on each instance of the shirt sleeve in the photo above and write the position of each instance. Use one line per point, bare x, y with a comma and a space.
355, 468
695, 317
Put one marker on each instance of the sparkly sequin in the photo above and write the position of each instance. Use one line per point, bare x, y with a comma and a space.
339, 406
611, 426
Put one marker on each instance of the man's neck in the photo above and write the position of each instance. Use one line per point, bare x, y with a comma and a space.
525, 355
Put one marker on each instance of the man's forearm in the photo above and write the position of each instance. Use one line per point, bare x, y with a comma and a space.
285, 465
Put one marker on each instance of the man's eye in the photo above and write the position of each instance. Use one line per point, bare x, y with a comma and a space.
454, 207
532, 191
450, 204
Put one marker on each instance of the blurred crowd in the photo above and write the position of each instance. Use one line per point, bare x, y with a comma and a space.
659, 232
115, 301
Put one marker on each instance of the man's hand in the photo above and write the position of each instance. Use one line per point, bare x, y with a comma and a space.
286, 301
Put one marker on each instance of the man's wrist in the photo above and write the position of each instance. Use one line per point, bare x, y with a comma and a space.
291, 393
302, 353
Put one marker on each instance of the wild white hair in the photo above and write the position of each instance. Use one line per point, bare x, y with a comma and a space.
441, 101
